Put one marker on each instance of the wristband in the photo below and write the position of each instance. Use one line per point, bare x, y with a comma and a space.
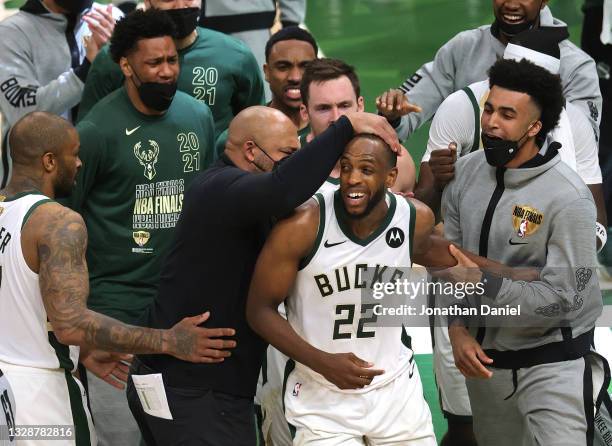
602, 234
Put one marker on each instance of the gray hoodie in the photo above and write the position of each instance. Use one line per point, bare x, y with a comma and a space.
466, 58
38, 70
539, 217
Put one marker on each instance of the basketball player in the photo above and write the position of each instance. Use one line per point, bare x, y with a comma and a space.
331, 396
44, 288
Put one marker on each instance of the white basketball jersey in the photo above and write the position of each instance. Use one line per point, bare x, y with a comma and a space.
562, 133
331, 184
24, 333
325, 305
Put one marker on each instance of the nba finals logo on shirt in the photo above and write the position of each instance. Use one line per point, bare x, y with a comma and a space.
526, 220
147, 157
141, 238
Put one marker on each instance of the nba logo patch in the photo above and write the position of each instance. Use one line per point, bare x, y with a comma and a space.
296, 389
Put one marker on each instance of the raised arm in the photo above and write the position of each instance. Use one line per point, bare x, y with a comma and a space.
60, 237
281, 191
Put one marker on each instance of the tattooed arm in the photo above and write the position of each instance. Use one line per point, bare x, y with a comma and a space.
61, 241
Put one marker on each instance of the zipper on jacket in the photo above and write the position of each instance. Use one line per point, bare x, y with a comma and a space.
485, 229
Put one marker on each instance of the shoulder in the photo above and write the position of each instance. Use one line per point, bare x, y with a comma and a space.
472, 160
457, 106
569, 184
100, 111
53, 218
17, 27
573, 57
219, 41
425, 218
300, 229
470, 37
185, 101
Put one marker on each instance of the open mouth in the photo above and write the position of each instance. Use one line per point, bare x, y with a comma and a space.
513, 18
355, 198
293, 93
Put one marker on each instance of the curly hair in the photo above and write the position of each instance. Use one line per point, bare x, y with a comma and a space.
136, 26
542, 86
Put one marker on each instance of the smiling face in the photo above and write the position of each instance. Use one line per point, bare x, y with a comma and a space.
509, 115
366, 172
516, 12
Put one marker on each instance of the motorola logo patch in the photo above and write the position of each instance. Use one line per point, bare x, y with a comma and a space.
395, 237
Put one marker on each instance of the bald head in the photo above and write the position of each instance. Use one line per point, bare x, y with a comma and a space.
258, 132
35, 134
258, 123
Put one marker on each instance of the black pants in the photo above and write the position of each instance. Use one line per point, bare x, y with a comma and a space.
200, 416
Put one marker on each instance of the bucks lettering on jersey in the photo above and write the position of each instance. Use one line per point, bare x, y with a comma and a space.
325, 305
130, 190
216, 69
26, 339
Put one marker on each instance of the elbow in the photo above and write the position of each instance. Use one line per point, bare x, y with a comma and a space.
68, 336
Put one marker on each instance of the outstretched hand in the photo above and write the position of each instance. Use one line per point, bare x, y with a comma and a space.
190, 342
110, 367
394, 104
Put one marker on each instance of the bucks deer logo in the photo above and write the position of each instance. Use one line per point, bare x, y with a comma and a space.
147, 157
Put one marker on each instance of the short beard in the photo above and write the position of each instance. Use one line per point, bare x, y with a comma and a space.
376, 198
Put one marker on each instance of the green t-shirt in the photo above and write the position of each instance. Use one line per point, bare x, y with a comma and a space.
217, 69
130, 190
222, 139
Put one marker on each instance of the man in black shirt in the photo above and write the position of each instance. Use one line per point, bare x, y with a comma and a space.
227, 214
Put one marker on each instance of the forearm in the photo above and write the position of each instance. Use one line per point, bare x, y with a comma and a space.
308, 168
22, 96
266, 322
279, 192
95, 330
438, 256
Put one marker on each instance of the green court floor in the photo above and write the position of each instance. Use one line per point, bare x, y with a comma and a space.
387, 40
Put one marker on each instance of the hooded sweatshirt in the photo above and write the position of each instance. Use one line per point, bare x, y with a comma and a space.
43, 67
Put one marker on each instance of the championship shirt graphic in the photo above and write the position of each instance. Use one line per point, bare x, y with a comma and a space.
526, 220
147, 156
157, 205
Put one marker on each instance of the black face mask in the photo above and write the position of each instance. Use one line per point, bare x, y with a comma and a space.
500, 152
185, 20
276, 165
155, 95
74, 6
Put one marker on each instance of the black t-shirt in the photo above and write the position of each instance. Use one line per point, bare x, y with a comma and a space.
226, 217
